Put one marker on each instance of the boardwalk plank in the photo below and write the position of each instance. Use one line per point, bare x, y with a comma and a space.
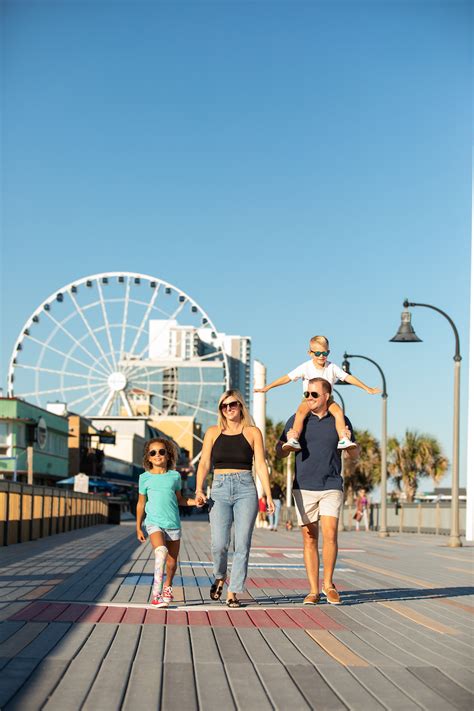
142, 684
452, 692
387, 693
111, 681
74, 686
416, 689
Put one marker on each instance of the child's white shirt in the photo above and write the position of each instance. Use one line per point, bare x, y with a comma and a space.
307, 371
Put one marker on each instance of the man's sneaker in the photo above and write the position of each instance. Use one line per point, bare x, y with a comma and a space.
168, 593
293, 445
345, 444
159, 601
332, 596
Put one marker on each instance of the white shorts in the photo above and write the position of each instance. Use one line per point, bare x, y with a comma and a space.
310, 505
171, 534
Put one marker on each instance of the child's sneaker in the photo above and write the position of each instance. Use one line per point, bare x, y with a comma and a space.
293, 445
168, 593
159, 601
345, 444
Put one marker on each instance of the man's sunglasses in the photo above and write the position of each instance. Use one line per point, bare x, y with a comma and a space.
320, 353
231, 405
314, 395
153, 452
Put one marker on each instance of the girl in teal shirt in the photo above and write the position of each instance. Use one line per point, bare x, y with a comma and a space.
159, 493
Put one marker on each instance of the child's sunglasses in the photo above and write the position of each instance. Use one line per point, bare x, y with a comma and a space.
320, 353
154, 452
314, 395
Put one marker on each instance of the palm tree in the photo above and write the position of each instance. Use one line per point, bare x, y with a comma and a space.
416, 457
273, 432
365, 472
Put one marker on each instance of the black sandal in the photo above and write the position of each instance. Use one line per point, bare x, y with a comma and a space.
216, 589
233, 602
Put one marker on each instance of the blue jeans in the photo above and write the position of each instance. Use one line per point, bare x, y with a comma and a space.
274, 518
234, 498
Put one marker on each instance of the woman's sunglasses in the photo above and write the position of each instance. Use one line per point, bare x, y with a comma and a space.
314, 395
154, 452
320, 353
230, 405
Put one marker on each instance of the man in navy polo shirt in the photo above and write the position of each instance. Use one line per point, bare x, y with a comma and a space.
318, 486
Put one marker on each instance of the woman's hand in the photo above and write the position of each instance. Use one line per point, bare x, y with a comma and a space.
270, 505
201, 498
141, 535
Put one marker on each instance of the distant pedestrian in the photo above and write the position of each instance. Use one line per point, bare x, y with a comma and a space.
262, 521
277, 495
232, 447
318, 486
361, 514
159, 496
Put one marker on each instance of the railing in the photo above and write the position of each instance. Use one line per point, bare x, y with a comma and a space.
401, 518
31, 512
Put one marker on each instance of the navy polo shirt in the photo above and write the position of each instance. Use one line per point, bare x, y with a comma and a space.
318, 465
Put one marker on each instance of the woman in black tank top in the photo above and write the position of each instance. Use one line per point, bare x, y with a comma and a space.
230, 448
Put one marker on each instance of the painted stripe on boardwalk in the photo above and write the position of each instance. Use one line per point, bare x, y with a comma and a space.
417, 617
336, 649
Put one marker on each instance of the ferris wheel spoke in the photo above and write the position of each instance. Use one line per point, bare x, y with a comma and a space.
144, 321
40, 369
107, 404
124, 320
55, 390
100, 391
126, 404
72, 337
170, 318
95, 400
91, 332
106, 324
66, 355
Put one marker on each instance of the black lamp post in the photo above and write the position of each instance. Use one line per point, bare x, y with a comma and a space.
383, 533
406, 334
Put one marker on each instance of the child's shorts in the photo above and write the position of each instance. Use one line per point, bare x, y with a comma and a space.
171, 534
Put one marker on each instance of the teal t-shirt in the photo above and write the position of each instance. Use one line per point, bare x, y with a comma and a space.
161, 504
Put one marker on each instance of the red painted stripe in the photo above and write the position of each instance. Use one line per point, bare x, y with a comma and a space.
274, 554
282, 619
29, 611
92, 614
176, 617
325, 621
302, 620
240, 618
134, 616
260, 618
219, 619
197, 617
155, 617
113, 614
72, 613
51, 612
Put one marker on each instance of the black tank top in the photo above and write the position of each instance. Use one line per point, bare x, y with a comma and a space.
232, 452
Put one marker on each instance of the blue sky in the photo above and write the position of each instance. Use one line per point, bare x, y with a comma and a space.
297, 167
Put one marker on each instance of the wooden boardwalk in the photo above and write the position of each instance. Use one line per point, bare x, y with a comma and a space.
76, 631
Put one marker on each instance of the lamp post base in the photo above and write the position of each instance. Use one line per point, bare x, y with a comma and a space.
454, 542
384, 534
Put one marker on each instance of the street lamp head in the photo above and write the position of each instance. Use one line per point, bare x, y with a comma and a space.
347, 369
406, 332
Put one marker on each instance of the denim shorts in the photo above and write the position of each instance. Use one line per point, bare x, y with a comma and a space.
171, 534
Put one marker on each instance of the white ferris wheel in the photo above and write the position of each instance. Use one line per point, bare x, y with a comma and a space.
120, 344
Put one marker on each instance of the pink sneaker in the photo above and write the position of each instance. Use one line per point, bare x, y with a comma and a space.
159, 601
168, 593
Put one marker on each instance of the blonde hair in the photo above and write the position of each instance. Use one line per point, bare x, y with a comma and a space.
171, 452
245, 416
320, 339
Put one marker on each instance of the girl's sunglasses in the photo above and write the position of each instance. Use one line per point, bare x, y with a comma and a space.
231, 405
314, 395
320, 353
154, 452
